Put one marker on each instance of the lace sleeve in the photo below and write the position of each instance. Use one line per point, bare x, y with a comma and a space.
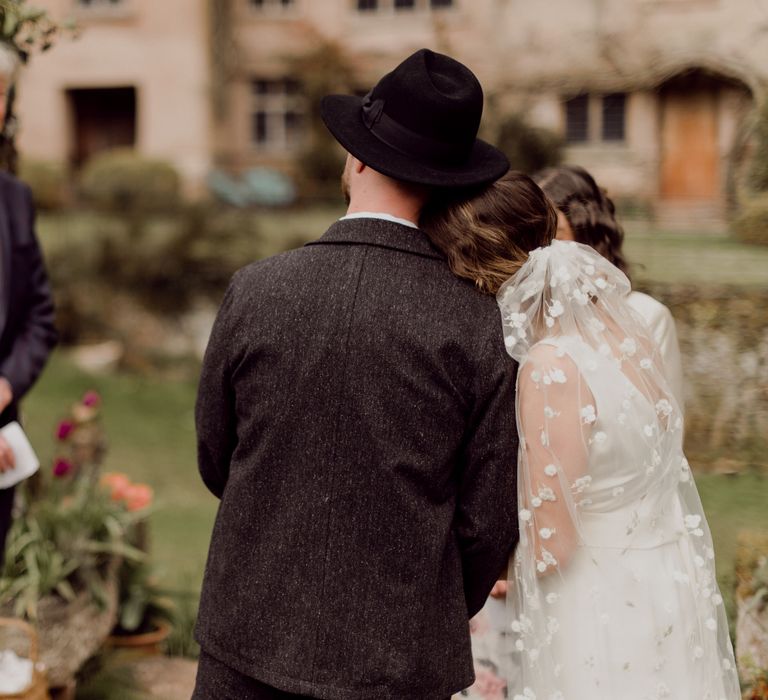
556, 414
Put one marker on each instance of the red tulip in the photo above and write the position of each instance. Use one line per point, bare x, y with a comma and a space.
61, 467
64, 429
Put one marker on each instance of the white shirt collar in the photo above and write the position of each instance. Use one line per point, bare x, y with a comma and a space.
379, 215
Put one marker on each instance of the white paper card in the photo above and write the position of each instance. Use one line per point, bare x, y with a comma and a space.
26, 459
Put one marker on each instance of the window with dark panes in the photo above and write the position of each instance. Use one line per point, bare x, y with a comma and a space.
367, 5
277, 114
577, 119
614, 110
405, 4
441, 3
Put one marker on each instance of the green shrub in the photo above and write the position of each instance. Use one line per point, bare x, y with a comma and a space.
321, 168
758, 171
751, 225
48, 180
122, 180
529, 148
168, 260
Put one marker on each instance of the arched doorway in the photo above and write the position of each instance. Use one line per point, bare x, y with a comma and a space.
701, 113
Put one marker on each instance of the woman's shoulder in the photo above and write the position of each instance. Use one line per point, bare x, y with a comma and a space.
652, 310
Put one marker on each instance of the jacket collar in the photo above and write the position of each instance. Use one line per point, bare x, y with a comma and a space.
379, 233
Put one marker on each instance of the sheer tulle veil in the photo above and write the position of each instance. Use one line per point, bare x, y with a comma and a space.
612, 588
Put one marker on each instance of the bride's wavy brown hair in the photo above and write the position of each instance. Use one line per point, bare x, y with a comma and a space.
486, 237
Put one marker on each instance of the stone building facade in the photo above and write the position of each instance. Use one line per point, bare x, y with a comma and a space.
653, 96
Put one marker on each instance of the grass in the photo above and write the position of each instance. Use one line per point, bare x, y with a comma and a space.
666, 257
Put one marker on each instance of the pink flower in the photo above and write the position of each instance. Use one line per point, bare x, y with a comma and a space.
91, 399
61, 467
138, 497
64, 429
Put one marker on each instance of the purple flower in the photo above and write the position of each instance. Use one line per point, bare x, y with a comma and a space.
64, 429
61, 467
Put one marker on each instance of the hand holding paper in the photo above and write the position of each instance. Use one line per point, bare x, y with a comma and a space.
13, 439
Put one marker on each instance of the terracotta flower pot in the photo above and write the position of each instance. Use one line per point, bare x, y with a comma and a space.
146, 642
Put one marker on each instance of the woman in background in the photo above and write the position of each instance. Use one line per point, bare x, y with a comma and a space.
585, 214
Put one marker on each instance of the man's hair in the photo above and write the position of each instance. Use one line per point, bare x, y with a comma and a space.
486, 237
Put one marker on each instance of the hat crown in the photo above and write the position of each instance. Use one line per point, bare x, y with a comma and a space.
419, 124
435, 96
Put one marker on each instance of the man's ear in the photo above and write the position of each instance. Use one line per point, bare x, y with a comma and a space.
357, 165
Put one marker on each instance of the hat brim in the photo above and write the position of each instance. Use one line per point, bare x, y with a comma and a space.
342, 116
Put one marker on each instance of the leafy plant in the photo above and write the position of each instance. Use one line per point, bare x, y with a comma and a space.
181, 641
123, 181
751, 225
758, 172
529, 148
48, 182
24, 29
71, 530
143, 603
758, 599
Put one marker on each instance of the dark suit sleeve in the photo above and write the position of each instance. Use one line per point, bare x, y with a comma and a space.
486, 515
215, 407
37, 335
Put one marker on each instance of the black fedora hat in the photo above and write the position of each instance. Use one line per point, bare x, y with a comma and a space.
419, 124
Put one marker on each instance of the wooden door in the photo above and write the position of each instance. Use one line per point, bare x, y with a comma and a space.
690, 161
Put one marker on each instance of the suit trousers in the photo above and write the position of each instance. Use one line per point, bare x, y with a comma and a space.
217, 681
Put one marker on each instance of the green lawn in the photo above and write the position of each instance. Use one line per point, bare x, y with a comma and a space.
660, 256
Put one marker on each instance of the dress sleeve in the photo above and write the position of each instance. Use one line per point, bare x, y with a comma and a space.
666, 336
556, 413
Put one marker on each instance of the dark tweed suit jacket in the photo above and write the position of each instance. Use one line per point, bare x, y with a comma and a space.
356, 418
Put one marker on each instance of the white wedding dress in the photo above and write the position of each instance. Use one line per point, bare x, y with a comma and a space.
612, 589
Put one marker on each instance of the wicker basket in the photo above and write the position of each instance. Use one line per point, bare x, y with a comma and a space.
38, 688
